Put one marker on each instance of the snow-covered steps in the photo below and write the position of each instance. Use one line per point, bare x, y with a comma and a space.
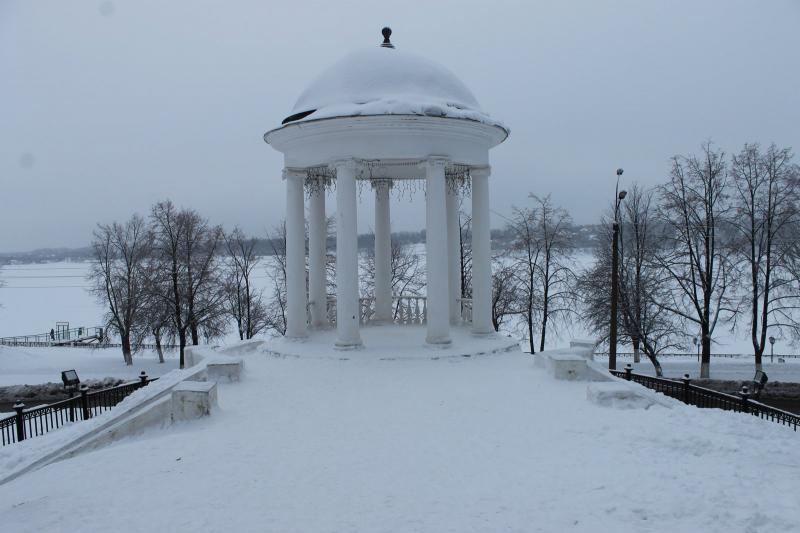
177, 396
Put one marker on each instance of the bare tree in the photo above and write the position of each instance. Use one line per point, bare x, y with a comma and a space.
694, 211
765, 204
644, 322
465, 253
244, 303
545, 281
119, 278
526, 249
406, 268
205, 294
504, 291
556, 276
185, 272
169, 269
275, 319
158, 316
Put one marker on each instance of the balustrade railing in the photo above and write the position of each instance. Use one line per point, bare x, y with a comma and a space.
702, 397
406, 309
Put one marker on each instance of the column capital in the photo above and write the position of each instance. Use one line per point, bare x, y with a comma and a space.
294, 173
380, 183
436, 161
351, 163
481, 172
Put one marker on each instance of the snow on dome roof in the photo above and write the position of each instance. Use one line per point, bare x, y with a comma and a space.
382, 80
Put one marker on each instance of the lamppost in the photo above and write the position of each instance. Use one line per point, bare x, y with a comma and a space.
697, 345
771, 349
612, 337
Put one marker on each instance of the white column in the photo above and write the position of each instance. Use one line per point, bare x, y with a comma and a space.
317, 252
383, 252
453, 253
347, 308
481, 254
295, 256
436, 253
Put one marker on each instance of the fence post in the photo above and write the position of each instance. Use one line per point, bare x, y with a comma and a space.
143, 378
745, 394
18, 407
686, 389
85, 402
628, 371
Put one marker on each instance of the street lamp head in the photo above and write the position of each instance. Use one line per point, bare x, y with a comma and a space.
694, 341
772, 340
622, 195
619, 172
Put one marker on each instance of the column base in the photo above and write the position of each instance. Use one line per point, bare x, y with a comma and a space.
441, 342
345, 346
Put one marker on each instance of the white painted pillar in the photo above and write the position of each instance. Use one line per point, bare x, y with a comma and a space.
347, 307
453, 253
295, 255
481, 254
383, 252
436, 250
317, 254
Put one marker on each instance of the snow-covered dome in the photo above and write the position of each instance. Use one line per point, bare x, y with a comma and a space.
382, 80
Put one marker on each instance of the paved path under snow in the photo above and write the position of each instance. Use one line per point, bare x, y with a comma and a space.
483, 444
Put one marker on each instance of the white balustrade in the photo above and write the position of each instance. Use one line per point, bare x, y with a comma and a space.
406, 310
466, 309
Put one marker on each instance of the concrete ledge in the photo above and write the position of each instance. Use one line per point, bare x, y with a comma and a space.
566, 366
583, 347
227, 370
193, 399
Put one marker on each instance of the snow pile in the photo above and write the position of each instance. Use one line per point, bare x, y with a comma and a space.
468, 444
385, 81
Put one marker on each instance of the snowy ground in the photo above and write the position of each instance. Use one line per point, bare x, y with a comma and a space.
470, 444
32, 366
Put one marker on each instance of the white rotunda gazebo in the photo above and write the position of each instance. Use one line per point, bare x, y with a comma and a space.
382, 115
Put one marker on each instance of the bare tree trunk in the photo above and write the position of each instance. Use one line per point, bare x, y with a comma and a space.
159, 349
182, 343
545, 300
126, 348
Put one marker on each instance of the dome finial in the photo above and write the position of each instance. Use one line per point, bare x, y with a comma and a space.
387, 32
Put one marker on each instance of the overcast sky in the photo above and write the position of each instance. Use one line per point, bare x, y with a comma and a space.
109, 106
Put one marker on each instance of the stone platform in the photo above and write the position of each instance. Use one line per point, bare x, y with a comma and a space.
390, 342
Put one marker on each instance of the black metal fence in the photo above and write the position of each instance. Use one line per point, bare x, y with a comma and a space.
629, 355
686, 392
27, 423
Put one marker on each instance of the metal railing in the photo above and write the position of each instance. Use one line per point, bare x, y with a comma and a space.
28, 423
56, 337
629, 355
702, 397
